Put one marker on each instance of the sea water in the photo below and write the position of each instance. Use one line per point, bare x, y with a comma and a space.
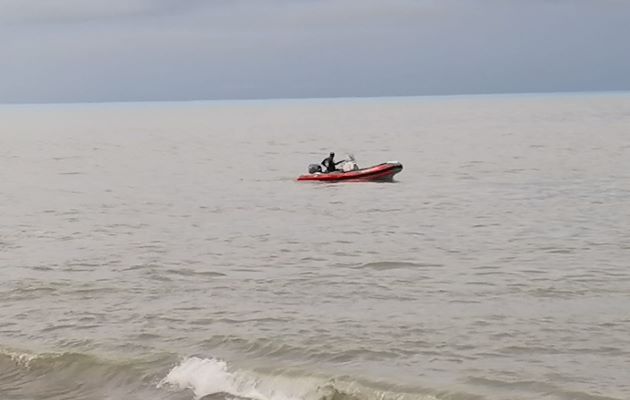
165, 250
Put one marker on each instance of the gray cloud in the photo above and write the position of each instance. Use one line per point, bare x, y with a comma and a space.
73, 50
68, 11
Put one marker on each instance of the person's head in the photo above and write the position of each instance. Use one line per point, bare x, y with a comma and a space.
332, 154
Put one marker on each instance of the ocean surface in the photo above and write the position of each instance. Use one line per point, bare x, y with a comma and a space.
165, 250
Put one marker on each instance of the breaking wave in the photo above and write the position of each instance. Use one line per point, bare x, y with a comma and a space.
26, 375
76, 375
214, 378
57, 376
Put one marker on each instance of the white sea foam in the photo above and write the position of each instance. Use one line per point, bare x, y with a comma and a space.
22, 359
211, 376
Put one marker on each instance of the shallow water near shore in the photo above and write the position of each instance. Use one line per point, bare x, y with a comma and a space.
165, 250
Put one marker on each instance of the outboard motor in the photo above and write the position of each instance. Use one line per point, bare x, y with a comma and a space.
314, 168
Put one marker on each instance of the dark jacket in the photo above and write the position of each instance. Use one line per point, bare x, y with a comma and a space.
330, 164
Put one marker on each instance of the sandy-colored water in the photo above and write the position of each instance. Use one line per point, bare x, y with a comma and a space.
165, 251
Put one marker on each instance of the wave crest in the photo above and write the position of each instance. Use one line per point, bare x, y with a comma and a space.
28, 361
214, 378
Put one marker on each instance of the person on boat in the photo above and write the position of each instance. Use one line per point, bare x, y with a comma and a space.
330, 164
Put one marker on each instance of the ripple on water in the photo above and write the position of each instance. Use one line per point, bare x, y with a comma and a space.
390, 265
194, 273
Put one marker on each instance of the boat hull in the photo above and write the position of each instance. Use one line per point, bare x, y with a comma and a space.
379, 173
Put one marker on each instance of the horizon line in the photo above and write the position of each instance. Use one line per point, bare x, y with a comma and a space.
279, 99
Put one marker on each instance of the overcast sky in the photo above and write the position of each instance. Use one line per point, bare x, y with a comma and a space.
109, 50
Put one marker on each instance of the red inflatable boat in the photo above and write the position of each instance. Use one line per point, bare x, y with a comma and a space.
380, 173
